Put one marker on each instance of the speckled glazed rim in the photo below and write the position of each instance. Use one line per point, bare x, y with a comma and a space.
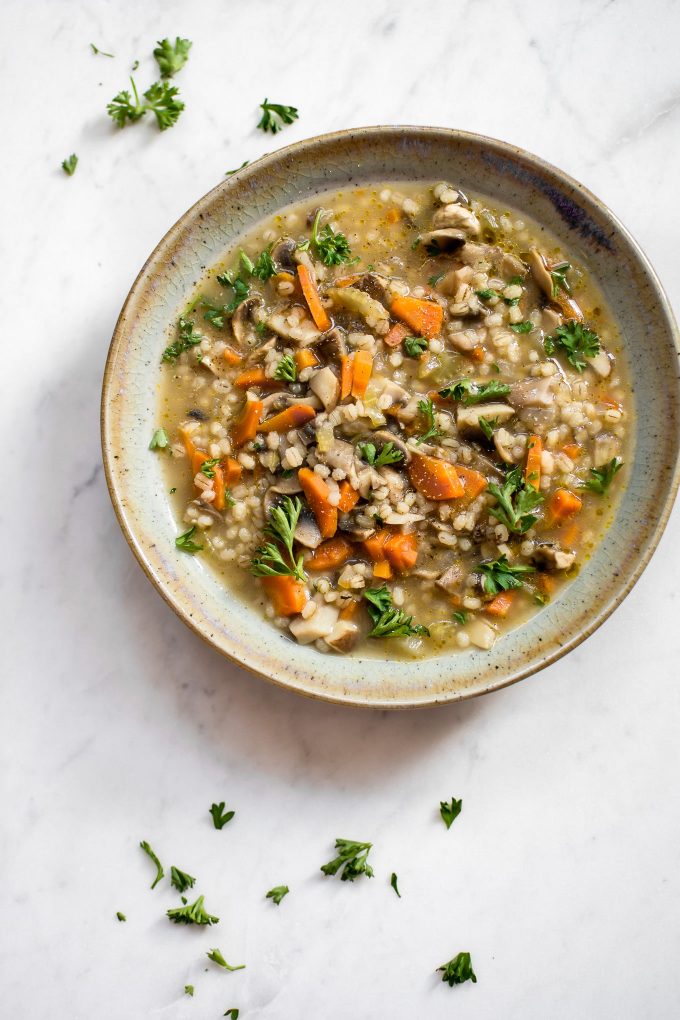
510, 177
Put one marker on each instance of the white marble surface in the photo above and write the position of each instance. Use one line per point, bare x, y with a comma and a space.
117, 724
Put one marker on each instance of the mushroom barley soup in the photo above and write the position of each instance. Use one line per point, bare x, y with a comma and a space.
395, 420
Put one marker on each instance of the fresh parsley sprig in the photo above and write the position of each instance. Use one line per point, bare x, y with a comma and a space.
264, 267
216, 956
522, 327
187, 338
389, 454
208, 467
450, 812
268, 560
186, 543
558, 275
69, 164
499, 575
387, 620
426, 408
351, 860
192, 913
458, 970
575, 341
601, 478
159, 867
160, 98
181, 880
220, 817
332, 248
469, 392
515, 502
275, 115
171, 57
286, 370
393, 883
277, 893
415, 346
487, 426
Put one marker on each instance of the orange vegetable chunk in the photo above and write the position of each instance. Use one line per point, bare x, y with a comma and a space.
532, 469
361, 372
564, 504
316, 492
501, 604
435, 479
311, 294
330, 554
349, 497
424, 317
287, 594
291, 418
245, 427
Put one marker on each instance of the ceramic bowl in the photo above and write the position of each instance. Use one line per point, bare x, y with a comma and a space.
510, 177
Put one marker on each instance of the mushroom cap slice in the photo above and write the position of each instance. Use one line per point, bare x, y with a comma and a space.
243, 321
283, 253
445, 240
467, 418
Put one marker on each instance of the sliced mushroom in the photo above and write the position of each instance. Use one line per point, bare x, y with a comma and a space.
376, 286
326, 385
467, 418
343, 637
348, 524
601, 363
551, 319
314, 627
303, 332
533, 392
450, 580
552, 556
283, 254
457, 216
307, 530
277, 401
481, 633
437, 242
360, 303
541, 274
510, 265
504, 442
340, 455
333, 345
243, 321
383, 436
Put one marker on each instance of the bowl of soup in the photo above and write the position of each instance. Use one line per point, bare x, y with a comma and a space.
380, 419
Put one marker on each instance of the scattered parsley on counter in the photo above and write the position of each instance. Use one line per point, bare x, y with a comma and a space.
602, 478
121, 917
160, 98
351, 860
101, 53
69, 164
181, 879
275, 115
277, 893
450, 812
233, 1013
192, 913
188, 989
393, 883
220, 817
186, 543
458, 970
216, 956
159, 440
230, 173
159, 867
171, 57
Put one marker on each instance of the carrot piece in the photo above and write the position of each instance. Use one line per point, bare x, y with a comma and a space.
361, 372
477, 353
198, 458
396, 335
382, 568
287, 594
393, 215
349, 609
435, 479
563, 504
330, 554
245, 427
316, 492
256, 377
473, 481
425, 317
189, 444
375, 544
305, 359
346, 370
349, 497
231, 469
347, 281
311, 293
290, 418
501, 604
219, 488
402, 550
572, 450
231, 356
532, 468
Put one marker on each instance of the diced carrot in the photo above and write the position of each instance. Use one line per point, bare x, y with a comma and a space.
346, 367
287, 594
396, 335
501, 604
311, 293
382, 568
610, 402
474, 482
348, 281
305, 358
563, 505
402, 550
572, 450
532, 468
349, 497
393, 215
189, 444
546, 584
361, 372
477, 353
424, 317
291, 418
434, 478
316, 491
231, 469
198, 459
245, 427
256, 377
375, 544
219, 488
349, 609
231, 356
330, 554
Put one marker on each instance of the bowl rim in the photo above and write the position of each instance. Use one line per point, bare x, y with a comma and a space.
397, 131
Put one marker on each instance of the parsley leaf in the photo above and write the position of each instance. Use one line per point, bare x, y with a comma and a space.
101, 53
393, 883
275, 115
230, 173
487, 426
192, 913
351, 860
241, 292
499, 575
277, 893
458, 970
181, 879
602, 478
208, 467
159, 867
121, 917
69, 164
216, 956
426, 407
515, 501
159, 440
187, 339
233, 1013
185, 541
171, 57
460, 617
487, 293
122, 109
220, 817
286, 370
450, 812
470, 392
522, 327
574, 340
415, 346
390, 454
388, 621
558, 275
161, 99
264, 267
434, 280
333, 249
268, 560
188, 989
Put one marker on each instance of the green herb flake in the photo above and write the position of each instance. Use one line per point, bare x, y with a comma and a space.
230, 173
232, 1012
460, 617
159, 867
389, 454
121, 917
159, 440
192, 913
522, 327
575, 341
187, 338
487, 426
286, 370
69, 164
181, 879
601, 478
434, 280
171, 57
458, 970
515, 502
487, 294
97, 52
220, 817
186, 543
275, 115
499, 575
269, 558
415, 346
450, 812
393, 883
216, 956
469, 392
351, 861
426, 408
277, 893
264, 267
332, 248
387, 621
161, 99
558, 275
208, 467
188, 989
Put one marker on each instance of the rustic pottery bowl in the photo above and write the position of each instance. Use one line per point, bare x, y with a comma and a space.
511, 177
